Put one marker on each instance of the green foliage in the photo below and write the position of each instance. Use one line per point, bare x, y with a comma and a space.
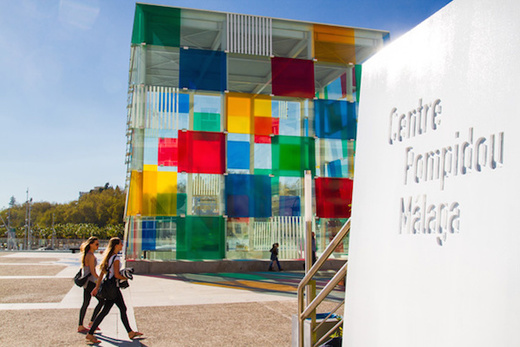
99, 213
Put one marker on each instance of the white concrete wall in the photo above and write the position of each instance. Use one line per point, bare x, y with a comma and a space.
435, 260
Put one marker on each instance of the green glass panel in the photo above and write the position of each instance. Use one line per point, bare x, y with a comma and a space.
206, 121
181, 204
200, 238
358, 81
292, 155
263, 171
344, 148
138, 29
156, 25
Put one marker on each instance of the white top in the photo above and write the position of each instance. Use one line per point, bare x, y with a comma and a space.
111, 261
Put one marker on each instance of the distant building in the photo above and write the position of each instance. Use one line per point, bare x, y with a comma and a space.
225, 113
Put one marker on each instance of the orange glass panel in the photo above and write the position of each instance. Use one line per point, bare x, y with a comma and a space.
238, 112
334, 44
263, 126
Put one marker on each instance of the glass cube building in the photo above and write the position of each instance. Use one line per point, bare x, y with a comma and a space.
225, 114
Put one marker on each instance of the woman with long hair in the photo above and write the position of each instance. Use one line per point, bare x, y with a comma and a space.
88, 264
110, 266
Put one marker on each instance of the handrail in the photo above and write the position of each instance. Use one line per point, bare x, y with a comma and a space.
338, 324
305, 312
326, 291
324, 320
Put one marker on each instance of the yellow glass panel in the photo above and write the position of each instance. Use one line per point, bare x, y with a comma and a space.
149, 191
238, 112
149, 167
135, 195
167, 182
334, 44
262, 107
166, 193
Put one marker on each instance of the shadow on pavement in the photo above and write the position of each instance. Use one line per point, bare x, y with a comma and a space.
280, 283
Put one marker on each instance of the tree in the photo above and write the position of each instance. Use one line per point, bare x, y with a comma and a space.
99, 212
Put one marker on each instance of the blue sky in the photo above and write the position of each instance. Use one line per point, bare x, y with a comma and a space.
64, 69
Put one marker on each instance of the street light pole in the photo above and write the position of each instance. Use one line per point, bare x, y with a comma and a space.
26, 228
27, 221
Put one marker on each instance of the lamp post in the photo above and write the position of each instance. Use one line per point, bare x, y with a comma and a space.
27, 221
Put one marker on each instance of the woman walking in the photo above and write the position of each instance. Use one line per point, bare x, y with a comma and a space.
88, 264
274, 257
110, 266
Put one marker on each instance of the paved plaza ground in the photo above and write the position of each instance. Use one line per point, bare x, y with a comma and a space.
39, 306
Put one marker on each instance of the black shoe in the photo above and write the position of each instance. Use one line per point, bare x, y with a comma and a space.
270, 270
281, 269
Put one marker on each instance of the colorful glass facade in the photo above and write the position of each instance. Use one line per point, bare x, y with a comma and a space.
226, 112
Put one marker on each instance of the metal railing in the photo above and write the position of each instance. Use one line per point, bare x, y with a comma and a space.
309, 310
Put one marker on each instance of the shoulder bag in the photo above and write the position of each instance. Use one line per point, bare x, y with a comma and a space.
79, 279
108, 288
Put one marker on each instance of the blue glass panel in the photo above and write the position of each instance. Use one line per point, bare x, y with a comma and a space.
334, 90
289, 113
335, 119
263, 156
338, 168
289, 205
238, 137
168, 133
206, 104
262, 195
202, 69
168, 100
248, 196
151, 147
184, 103
237, 195
238, 155
149, 235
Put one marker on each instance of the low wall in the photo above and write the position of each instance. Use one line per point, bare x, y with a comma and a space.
144, 267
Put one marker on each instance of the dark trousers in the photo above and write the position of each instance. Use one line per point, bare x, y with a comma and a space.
86, 301
277, 263
120, 303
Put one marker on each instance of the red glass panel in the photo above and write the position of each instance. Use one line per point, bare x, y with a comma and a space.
333, 197
293, 77
262, 139
168, 152
275, 126
202, 152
